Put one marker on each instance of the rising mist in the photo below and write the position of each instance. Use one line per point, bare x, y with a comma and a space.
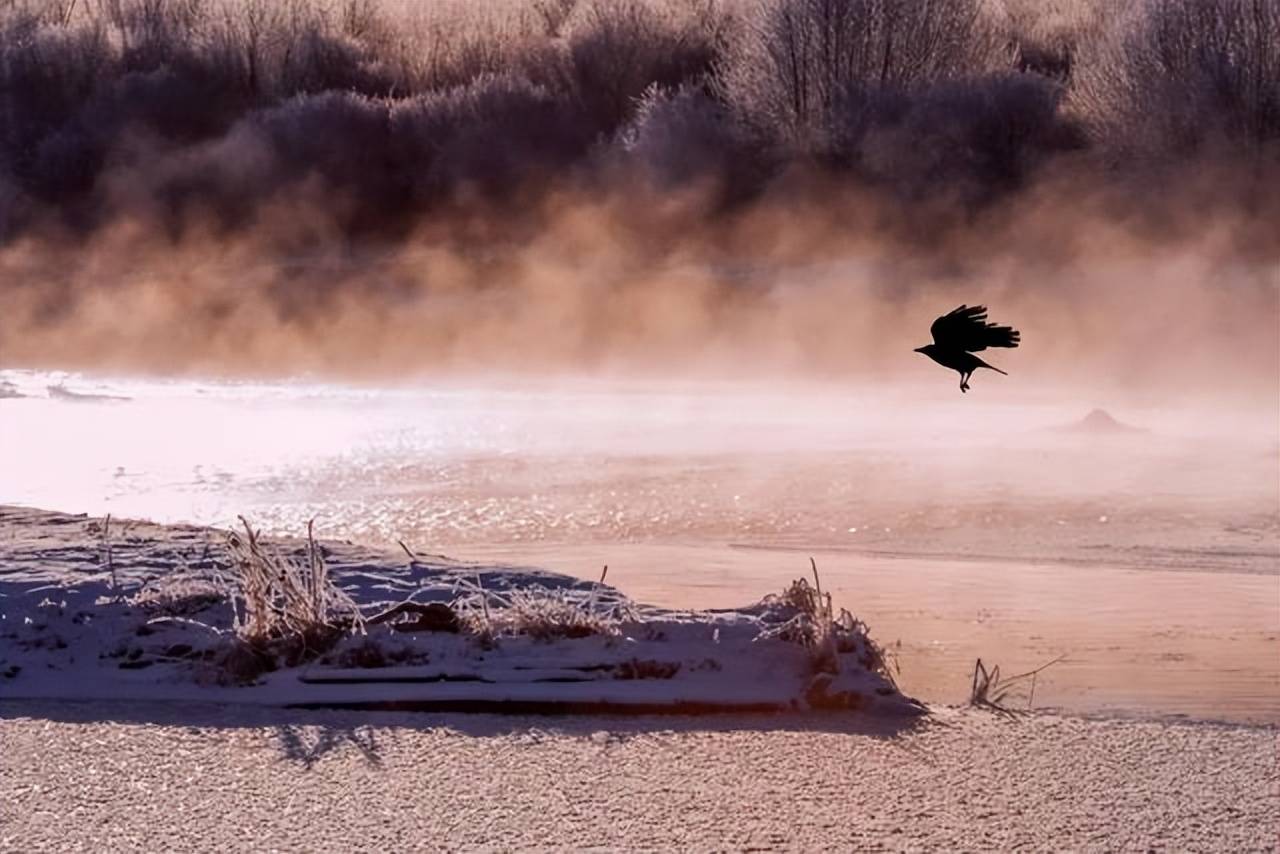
390, 190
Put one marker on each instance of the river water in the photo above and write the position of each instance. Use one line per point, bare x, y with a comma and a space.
1148, 559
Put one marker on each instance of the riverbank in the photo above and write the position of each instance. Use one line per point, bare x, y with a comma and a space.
129, 776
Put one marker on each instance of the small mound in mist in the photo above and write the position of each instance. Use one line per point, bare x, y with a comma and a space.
1099, 422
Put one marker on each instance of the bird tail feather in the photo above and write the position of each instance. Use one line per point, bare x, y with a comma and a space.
992, 367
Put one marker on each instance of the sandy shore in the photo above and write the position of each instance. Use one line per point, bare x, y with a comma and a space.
144, 777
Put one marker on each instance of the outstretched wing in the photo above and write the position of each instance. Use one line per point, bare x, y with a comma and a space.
967, 328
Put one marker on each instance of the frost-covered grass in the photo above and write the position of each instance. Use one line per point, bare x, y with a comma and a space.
181, 594
289, 611
538, 612
825, 633
398, 107
188, 617
282, 607
277, 597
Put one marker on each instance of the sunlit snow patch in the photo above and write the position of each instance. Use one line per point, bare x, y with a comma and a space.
91, 609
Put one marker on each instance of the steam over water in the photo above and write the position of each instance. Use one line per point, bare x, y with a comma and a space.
964, 527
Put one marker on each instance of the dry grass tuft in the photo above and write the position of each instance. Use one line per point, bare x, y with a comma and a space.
283, 610
279, 597
992, 691
536, 612
178, 595
548, 615
825, 633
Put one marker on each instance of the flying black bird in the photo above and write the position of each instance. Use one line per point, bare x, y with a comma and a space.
961, 333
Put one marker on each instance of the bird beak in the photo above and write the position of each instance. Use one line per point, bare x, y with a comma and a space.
918, 350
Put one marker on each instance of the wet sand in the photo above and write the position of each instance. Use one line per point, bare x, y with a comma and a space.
129, 777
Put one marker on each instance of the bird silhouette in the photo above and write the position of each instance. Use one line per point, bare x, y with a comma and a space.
962, 332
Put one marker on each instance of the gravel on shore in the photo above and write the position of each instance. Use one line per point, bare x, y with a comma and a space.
175, 777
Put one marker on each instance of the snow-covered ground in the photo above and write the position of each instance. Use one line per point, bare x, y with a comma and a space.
142, 611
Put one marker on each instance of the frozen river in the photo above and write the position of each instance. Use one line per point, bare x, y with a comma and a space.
957, 526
